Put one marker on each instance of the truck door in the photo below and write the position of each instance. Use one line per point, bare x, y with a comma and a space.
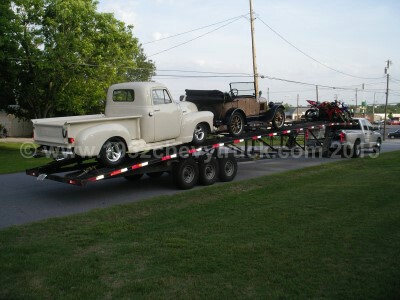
167, 116
369, 134
366, 131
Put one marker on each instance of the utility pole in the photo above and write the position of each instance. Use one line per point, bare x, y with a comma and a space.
387, 96
356, 98
316, 88
373, 108
267, 96
253, 47
297, 105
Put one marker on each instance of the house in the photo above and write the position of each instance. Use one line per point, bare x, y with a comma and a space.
295, 113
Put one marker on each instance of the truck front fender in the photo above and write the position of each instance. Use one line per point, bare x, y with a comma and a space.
190, 121
89, 141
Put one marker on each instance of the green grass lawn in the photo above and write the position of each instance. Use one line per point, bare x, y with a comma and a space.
12, 161
331, 231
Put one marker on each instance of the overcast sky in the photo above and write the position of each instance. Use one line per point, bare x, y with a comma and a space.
355, 37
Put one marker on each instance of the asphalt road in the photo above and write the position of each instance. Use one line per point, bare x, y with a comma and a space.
24, 199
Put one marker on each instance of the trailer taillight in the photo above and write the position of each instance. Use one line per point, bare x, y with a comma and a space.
306, 135
342, 136
71, 140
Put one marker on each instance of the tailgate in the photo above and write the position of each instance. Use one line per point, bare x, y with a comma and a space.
50, 134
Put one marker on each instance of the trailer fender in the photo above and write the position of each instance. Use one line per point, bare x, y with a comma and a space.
89, 142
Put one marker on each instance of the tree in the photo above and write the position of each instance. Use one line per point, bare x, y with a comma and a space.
8, 49
67, 54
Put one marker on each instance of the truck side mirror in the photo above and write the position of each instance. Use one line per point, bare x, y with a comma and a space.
259, 94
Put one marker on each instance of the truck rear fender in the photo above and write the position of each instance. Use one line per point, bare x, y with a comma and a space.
269, 115
190, 121
88, 142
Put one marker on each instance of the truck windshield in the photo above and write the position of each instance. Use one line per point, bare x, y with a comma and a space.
243, 89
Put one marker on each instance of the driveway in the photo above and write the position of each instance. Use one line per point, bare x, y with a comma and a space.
25, 200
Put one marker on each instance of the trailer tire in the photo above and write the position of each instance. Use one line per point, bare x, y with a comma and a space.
185, 173
208, 171
135, 177
113, 152
227, 168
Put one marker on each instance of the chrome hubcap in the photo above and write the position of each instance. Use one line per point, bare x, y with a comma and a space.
199, 133
113, 151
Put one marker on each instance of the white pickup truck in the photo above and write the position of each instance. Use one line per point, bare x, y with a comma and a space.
352, 139
139, 116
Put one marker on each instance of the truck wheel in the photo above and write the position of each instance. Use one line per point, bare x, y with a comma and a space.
377, 147
227, 168
113, 152
135, 177
200, 134
185, 173
208, 171
279, 119
356, 149
236, 124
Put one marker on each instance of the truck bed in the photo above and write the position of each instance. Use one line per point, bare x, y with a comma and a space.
55, 131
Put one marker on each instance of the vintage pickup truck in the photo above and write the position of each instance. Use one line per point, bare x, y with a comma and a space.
139, 116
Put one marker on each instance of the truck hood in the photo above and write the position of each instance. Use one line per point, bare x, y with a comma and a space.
188, 107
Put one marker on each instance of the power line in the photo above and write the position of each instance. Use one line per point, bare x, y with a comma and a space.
312, 58
191, 40
204, 76
306, 83
193, 30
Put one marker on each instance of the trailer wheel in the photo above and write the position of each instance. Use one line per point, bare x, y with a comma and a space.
113, 152
185, 173
227, 168
208, 171
135, 177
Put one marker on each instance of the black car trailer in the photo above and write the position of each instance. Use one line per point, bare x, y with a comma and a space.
188, 165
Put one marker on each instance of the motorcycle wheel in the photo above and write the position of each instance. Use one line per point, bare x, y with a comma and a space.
311, 115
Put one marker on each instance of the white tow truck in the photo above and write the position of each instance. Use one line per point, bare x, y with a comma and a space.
139, 116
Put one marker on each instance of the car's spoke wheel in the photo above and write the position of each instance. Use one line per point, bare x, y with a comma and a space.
279, 119
236, 124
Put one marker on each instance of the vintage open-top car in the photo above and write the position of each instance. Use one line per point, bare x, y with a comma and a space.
238, 108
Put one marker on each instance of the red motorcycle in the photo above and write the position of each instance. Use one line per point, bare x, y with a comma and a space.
327, 111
